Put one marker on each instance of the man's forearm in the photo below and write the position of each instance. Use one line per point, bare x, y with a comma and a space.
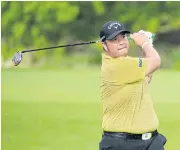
153, 58
143, 55
150, 52
149, 76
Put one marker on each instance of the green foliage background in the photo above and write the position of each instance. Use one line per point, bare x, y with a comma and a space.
27, 25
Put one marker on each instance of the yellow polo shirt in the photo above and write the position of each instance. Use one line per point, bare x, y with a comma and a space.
126, 100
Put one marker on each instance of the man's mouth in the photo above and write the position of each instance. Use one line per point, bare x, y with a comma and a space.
121, 48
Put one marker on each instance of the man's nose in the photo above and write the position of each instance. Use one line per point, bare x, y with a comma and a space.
121, 42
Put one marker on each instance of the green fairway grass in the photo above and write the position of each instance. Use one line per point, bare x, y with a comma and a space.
60, 109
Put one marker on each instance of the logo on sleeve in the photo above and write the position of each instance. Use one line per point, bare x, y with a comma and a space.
140, 62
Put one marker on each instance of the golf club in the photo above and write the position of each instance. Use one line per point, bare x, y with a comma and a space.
17, 58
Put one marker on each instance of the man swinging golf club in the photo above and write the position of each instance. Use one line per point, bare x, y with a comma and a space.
129, 121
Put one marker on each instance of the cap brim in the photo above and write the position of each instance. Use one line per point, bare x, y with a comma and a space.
112, 36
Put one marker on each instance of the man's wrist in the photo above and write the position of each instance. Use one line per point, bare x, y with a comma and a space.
145, 44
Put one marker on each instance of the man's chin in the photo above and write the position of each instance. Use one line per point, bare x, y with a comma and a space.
124, 52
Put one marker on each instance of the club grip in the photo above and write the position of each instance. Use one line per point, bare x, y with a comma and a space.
153, 36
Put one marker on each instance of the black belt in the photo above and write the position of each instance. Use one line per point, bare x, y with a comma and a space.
125, 135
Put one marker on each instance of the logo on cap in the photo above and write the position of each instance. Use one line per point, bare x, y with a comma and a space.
114, 25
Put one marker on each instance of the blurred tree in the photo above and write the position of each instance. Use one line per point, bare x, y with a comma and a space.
34, 24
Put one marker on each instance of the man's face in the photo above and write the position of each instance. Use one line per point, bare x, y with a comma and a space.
118, 46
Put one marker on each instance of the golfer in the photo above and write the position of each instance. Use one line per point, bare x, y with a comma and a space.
129, 121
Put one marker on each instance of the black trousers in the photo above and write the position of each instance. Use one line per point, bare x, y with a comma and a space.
111, 142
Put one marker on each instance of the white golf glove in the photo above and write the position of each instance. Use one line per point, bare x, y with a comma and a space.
148, 34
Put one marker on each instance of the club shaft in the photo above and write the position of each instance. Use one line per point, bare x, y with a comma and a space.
76, 44
39, 49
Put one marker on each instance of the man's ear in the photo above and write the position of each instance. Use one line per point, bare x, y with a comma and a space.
104, 46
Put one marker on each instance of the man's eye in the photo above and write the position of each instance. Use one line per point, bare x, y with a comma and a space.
114, 39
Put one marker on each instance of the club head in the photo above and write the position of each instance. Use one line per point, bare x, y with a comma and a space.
17, 58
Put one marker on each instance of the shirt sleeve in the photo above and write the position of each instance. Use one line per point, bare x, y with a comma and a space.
127, 70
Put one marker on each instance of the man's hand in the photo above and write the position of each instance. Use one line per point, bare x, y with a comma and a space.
147, 34
139, 39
